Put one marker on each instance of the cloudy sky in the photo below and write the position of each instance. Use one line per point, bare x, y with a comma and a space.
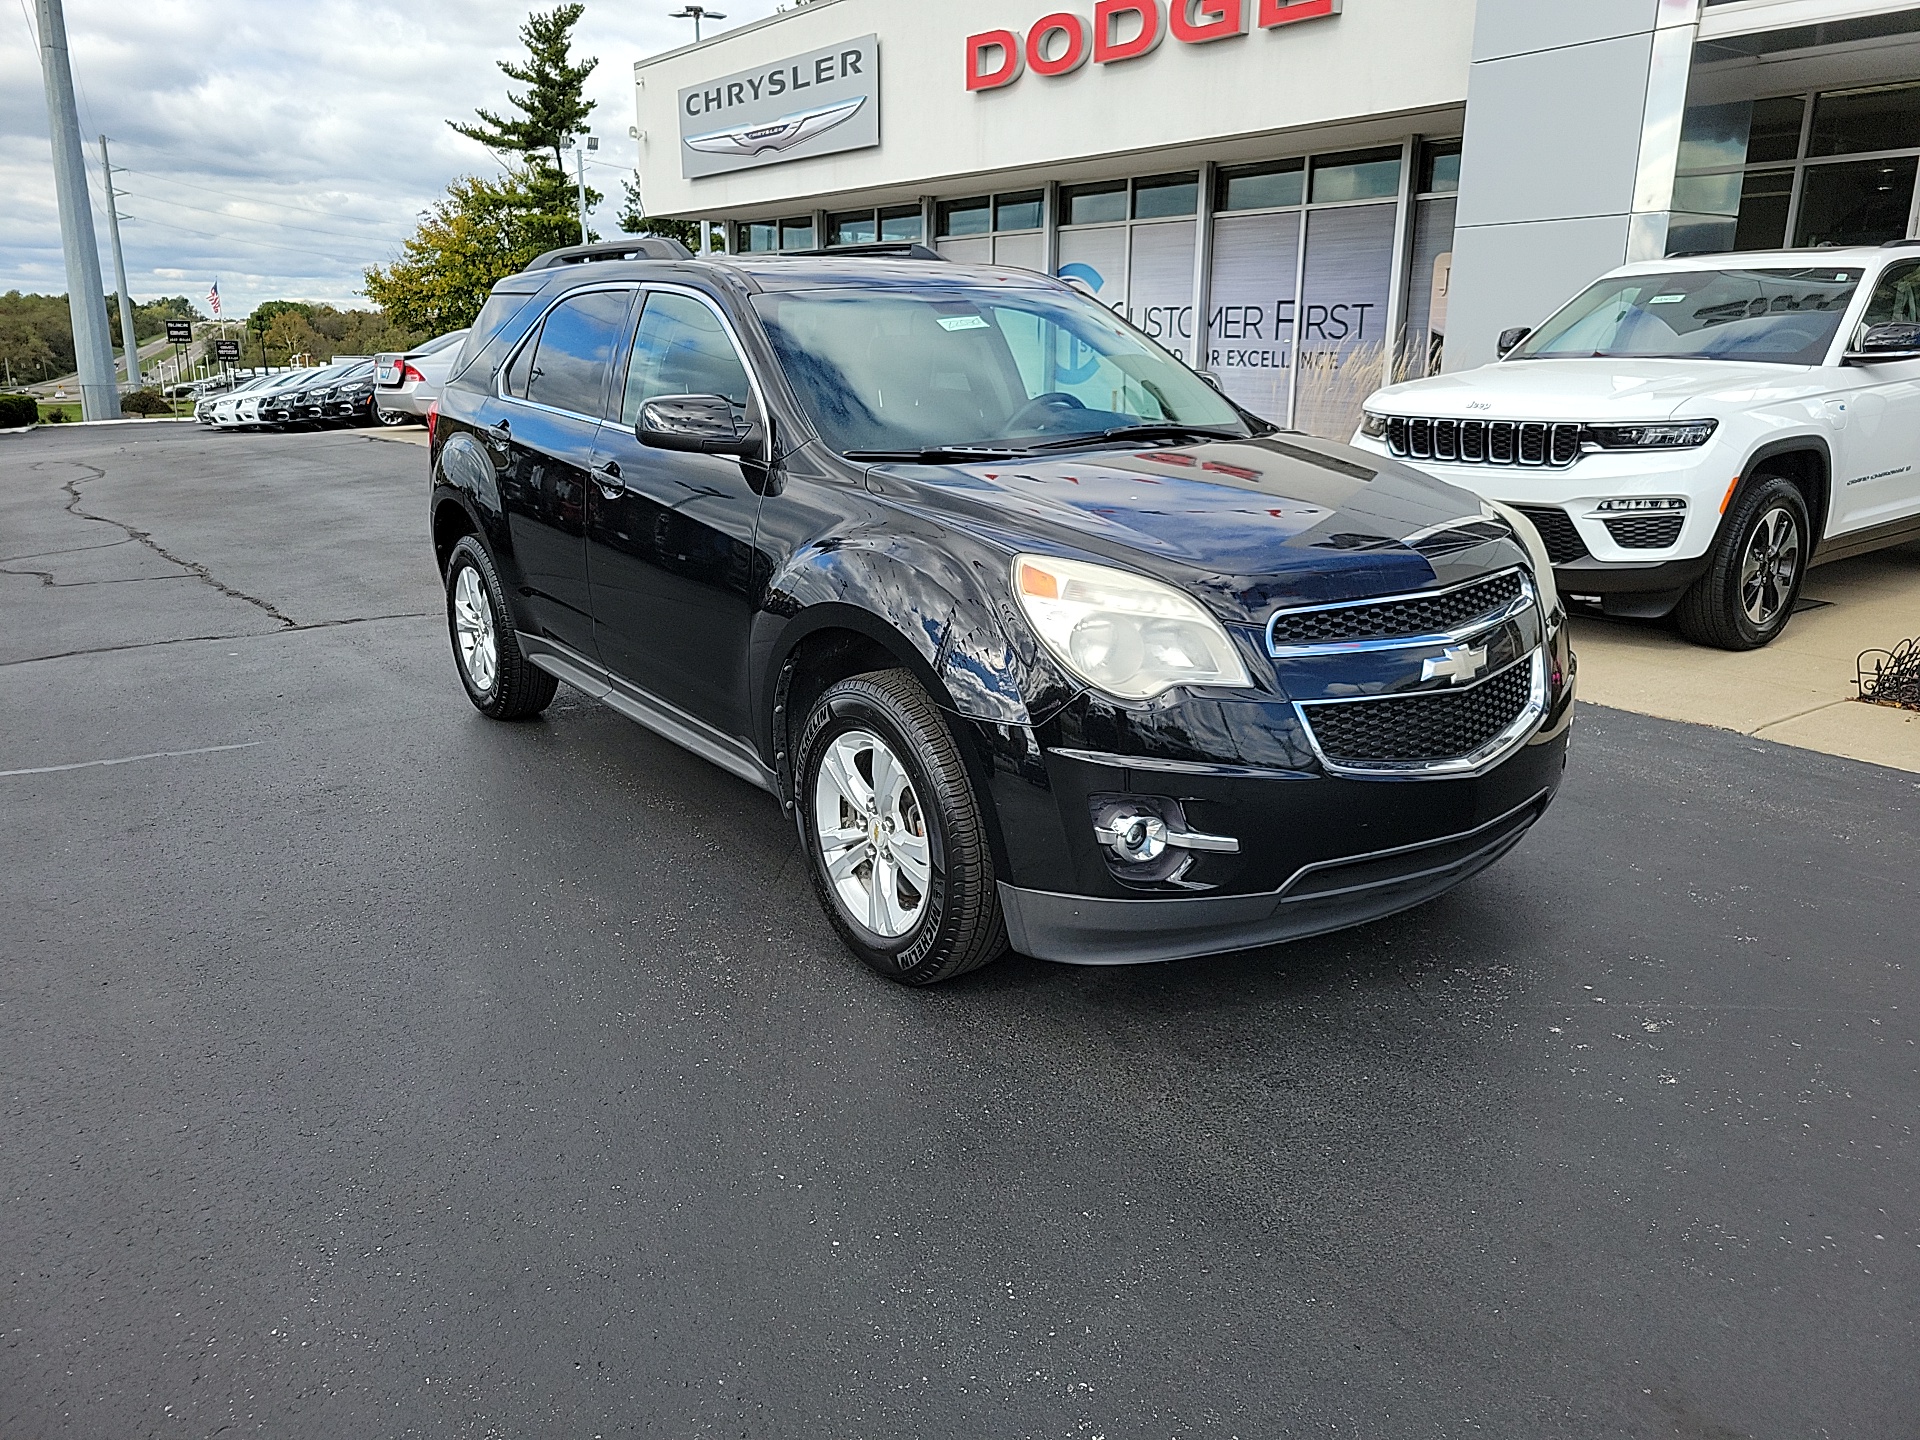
283, 147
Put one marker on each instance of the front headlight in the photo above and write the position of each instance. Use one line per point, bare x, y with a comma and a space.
1682, 435
1123, 633
1372, 426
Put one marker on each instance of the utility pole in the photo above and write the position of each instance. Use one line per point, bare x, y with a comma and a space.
92, 344
128, 342
582, 144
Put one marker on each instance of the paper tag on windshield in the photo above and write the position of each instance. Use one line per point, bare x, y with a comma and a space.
1666, 300
963, 322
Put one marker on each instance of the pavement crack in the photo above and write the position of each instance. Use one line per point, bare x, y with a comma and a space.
205, 639
72, 487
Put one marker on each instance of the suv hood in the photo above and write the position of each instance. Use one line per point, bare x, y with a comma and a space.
1247, 526
1590, 390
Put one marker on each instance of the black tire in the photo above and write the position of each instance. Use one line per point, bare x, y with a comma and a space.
957, 925
512, 688
1759, 562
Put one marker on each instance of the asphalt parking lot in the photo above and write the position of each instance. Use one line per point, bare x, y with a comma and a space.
371, 1069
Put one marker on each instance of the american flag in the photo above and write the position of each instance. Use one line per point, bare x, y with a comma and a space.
213, 299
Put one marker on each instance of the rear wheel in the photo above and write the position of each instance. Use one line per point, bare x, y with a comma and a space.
1747, 595
894, 832
500, 681
391, 417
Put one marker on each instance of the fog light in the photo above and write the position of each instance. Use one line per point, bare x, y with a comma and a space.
1135, 838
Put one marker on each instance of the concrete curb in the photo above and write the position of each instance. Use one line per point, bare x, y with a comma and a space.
85, 424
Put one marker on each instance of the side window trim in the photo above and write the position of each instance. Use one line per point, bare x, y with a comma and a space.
532, 337
740, 351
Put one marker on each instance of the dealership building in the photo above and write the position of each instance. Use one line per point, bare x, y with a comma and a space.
1299, 197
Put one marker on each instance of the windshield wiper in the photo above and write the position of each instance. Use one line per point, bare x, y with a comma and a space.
1161, 431
941, 454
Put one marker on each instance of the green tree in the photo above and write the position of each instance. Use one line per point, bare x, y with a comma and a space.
484, 230
553, 109
633, 220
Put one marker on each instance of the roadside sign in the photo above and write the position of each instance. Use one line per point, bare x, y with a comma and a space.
179, 332
226, 350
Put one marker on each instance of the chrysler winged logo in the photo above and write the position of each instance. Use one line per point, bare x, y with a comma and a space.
780, 135
1458, 663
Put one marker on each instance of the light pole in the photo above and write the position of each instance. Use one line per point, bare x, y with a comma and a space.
582, 144
696, 13
128, 341
92, 345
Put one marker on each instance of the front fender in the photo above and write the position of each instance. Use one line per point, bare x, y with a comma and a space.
937, 609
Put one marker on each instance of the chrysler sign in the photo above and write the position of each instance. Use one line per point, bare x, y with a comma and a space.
819, 103
1123, 30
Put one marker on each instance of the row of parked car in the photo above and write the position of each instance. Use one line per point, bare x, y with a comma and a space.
389, 389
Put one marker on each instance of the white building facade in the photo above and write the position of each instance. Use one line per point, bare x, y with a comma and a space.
1300, 196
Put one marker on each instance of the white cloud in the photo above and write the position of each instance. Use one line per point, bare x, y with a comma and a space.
284, 147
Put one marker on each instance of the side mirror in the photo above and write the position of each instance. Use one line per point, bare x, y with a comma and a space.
697, 425
1883, 344
1510, 339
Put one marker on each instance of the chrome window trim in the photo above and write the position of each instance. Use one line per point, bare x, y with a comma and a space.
1485, 758
1528, 598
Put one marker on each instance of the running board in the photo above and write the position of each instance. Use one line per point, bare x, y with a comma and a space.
666, 721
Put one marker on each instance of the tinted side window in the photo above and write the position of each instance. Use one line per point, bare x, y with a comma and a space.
680, 348
575, 351
1896, 299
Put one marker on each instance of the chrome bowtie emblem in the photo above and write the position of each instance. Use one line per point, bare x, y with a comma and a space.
1459, 663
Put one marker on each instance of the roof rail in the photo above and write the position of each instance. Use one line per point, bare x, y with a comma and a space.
634, 247
885, 250
1905, 244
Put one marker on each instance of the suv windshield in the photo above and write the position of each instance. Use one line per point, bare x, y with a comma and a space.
886, 371
1779, 317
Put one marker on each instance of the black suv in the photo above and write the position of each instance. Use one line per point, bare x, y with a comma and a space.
1042, 641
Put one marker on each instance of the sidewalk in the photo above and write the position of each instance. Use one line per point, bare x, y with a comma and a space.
1797, 691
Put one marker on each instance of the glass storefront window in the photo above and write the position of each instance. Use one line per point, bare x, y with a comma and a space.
1765, 198
797, 234
1356, 175
1775, 131
1160, 196
1858, 204
756, 236
1261, 187
855, 227
901, 224
1023, 210
965, 217
1091, 204
1439, 168
1857, 122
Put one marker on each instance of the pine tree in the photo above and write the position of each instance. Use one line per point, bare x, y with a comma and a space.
553, 109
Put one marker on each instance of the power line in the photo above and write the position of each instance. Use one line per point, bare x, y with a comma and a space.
249, 219
267, 245
227, 194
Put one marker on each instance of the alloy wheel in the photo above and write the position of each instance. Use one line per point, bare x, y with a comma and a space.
474, 630
1771, 567
873, 834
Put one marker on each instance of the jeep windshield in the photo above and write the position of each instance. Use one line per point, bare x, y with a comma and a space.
1775, 317
970, 372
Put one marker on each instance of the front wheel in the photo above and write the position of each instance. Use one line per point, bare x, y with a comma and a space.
500, 681
894, 832
1748, 593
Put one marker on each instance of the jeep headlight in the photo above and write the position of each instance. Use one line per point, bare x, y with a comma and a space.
1371, 425
1123, 633
1680, 435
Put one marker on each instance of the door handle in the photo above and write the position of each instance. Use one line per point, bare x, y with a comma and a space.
607, 477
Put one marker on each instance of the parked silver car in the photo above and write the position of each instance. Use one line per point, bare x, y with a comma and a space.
407, 383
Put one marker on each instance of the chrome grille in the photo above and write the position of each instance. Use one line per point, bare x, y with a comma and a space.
1433, 613
1646, 532
1429, 729
1534, 443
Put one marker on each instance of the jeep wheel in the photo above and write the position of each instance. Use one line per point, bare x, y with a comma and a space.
894, 832
502, 683
1747, 595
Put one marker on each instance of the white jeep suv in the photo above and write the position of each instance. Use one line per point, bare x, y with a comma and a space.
1692, 433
